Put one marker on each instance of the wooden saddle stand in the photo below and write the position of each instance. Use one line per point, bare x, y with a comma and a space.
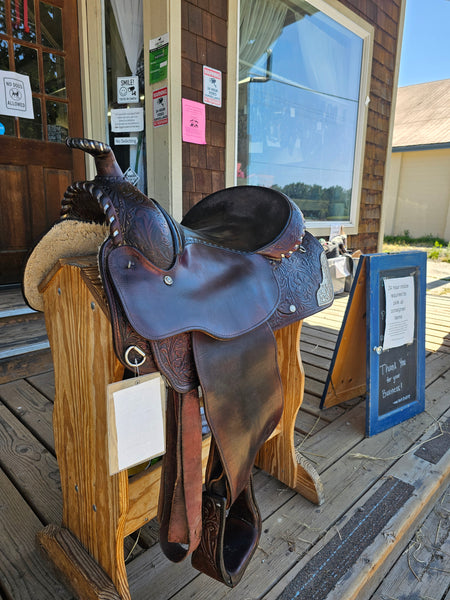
274, 282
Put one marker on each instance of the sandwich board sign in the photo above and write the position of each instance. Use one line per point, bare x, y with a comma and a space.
380, 352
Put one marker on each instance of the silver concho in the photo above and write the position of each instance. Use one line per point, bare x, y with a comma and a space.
325, 293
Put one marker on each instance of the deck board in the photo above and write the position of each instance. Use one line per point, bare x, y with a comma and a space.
31, 467
293, 528
24, 573
422, 570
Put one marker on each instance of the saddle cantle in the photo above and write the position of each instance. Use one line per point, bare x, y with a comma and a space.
199, 301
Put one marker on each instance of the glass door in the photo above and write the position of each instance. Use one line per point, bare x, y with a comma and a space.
125, 87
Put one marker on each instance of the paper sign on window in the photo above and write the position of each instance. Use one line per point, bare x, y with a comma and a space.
399, 329
15, 95
127, 89
127, 119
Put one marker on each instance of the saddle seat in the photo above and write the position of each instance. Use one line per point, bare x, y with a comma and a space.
221, 252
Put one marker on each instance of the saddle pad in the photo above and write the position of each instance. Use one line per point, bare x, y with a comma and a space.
214, 290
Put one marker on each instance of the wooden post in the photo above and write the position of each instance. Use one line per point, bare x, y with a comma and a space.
278, 455
94, 503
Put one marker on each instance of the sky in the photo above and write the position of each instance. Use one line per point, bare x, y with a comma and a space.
426, 42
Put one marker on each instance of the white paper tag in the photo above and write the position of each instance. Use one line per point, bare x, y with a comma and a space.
335, 229
136, 421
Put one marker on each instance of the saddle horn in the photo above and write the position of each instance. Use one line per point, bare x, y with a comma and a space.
133, 218
105, 161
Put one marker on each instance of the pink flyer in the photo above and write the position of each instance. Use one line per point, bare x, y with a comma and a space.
194, 121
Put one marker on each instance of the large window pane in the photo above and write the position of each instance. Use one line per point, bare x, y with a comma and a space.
2, 17
7, 126
26, 62
125, 58
299, 79
57, 121
51, 26
4, 55
32, 128
23, 20
54, 75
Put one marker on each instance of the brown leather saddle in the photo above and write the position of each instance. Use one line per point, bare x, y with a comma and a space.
199, 301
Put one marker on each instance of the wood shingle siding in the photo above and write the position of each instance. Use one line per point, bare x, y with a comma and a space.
204, 42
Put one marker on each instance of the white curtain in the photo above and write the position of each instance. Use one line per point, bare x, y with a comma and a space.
261, 22
128, 15
329, 62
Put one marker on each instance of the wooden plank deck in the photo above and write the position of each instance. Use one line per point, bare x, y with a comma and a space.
301, 542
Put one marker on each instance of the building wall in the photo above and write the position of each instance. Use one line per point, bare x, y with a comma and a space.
204, 41
385, 17
418, 194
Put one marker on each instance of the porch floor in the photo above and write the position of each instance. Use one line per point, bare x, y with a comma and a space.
383, 532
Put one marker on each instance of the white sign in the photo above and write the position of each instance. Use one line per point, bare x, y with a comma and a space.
136, 421
160, 107
125, 141
15, 95
400, 315
335, 230
131, 176
212, 86
127, 89
127, 119
162, 40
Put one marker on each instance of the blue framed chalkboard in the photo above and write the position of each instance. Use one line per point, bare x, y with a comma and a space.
395, 355
380, 351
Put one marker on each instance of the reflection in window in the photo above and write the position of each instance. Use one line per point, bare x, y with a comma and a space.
23, 20
32, 128
2, 17
54, 75
57, 121
26, 63
125, 57
299, 78
4, 55
8, 124
51, 26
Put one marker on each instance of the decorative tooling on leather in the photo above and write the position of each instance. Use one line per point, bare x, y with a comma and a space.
199, 302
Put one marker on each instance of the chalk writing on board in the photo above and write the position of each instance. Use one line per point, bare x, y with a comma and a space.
399, 327
396, 377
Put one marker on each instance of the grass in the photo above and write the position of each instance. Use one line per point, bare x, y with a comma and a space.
436, 248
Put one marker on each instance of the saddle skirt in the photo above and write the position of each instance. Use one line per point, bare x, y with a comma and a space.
199, 301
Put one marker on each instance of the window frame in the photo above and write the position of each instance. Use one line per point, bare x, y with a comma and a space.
348, 19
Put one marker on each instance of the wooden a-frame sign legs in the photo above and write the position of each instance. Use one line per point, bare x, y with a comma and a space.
347, 375
380, 351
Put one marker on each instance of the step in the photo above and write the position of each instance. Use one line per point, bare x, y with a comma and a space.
21, 333
24, 346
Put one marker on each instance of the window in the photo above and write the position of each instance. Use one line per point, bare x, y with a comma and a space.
125, 62
31, 43
301, 105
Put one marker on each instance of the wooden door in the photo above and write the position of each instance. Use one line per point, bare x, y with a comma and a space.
39, 39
